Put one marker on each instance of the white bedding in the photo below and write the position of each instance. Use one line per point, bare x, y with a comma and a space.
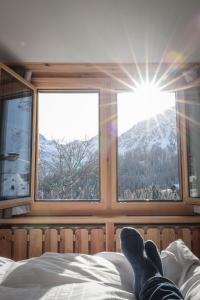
104, 276
183, 268
68, 276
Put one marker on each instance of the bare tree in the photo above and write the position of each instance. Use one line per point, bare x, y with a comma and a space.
72, 174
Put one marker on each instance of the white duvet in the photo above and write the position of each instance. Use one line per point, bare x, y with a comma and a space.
67, 276
183, 268
104, 276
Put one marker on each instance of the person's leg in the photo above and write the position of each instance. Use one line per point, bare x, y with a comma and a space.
147, 266
160, 288
132, 246
153, 253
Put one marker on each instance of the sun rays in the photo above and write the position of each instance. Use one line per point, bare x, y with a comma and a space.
145, 104
149, 82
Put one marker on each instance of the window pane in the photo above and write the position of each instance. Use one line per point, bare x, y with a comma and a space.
147, 146
68, 166
193, 142
15, 138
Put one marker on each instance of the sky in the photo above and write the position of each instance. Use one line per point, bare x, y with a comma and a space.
134, 107
74, 116
68, 116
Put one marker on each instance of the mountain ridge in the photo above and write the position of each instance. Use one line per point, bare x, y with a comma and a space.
158, 132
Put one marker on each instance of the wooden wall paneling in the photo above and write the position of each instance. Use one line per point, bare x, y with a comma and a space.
117, 240
19, 244
89, 239
56, 83
142, 232
196, 241
185, 235
110, 237
81, 241
97, 240
119, 220
66, 240
35, 242
51, 240
154, 235
168, 236
6, 243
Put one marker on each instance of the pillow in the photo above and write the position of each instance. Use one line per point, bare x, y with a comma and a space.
5, 264
182, 267
122, 266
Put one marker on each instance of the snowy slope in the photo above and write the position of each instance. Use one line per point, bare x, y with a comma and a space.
159, 132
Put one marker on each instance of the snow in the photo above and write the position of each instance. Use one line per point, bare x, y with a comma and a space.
155, 132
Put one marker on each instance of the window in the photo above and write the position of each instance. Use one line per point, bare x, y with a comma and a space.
15, 138
148, 160
68, 162
100, 147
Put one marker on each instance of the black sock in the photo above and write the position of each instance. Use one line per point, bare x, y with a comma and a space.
132, 246
153, 253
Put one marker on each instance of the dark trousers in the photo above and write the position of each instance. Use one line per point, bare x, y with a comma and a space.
160, 288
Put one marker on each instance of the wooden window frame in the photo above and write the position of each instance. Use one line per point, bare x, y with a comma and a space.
100, 116
182, 207
23, 200
106, 79
71, 207
178, 84
188, 200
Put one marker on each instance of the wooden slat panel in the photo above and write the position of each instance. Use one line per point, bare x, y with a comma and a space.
97, 241
81, 241
5, 243
196, 241
51, 240
142, 232
117, 240
110, 236
66, 241
168, 236
20, 244
185, 235
35, 242
154, 235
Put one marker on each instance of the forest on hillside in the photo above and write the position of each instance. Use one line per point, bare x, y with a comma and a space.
73, 173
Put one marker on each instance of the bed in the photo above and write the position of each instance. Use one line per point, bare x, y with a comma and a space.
103, 276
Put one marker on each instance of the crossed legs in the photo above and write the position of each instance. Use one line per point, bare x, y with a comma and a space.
146, 263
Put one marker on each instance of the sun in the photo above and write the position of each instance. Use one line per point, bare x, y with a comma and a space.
143, 103
151, 100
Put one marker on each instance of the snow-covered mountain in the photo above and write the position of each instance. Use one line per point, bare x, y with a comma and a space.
158, 132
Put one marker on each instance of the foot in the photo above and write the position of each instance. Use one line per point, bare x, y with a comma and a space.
153, 253
132, 246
